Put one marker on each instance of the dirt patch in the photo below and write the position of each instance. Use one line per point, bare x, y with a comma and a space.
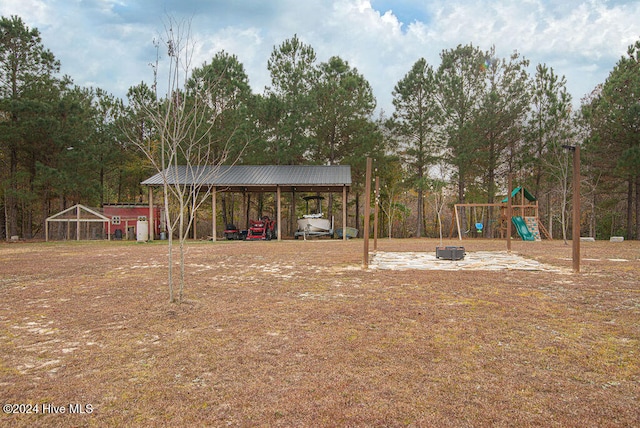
296, 333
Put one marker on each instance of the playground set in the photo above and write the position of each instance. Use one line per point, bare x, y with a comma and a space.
524, 216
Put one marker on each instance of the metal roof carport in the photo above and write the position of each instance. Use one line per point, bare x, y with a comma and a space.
257, 178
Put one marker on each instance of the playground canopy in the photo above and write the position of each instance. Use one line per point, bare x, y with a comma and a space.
525, 192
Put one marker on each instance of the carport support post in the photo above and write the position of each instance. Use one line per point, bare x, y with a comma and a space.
278, 214
367, 212
150, 224
344, 213
213, 213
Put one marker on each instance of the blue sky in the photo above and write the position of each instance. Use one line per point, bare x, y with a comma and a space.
109, 43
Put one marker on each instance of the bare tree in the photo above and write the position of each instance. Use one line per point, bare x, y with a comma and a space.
180, 144
438, 187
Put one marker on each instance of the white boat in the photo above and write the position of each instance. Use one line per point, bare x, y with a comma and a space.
314, 224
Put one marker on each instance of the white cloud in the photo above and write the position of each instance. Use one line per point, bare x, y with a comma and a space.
108, 43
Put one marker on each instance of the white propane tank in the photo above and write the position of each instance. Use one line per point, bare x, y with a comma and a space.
142, 229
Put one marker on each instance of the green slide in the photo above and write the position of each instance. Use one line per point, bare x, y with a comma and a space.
522, 228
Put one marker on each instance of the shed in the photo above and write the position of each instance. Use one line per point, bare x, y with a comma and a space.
124, 218
258, 178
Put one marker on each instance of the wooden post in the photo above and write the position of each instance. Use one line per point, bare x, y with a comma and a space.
344, 213
576, 209
455, 207
375, 215
78, 223
279, 212
214, 208
151, 223
367, 212
509, 213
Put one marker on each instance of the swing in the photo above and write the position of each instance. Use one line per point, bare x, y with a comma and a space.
479, 224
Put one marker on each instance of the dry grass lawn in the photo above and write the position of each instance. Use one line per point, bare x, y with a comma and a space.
296, 333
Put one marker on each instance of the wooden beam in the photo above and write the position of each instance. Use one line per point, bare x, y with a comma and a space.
480, 205
77, 222
509, 213
344, 213
151, 220
576, 210
214, 207
375, 215
279, 213
458, 222
367, 212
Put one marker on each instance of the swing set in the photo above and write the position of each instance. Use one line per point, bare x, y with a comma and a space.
479, 222
524, 215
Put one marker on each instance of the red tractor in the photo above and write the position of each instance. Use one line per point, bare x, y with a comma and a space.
263, 229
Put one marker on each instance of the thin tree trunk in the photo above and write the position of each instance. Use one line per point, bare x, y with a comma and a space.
420, 214
12, 203
358, 225
225, 218
169, 226
461, 199
630, 208
637, 207
248, 210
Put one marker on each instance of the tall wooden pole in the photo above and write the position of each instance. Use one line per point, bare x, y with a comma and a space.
344, 213
279, 212
214, 209
78, 223
151, 223
375, 215
509, 212
455, 207
576, 209
367, 212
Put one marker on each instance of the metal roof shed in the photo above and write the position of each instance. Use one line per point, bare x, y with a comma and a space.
258, 178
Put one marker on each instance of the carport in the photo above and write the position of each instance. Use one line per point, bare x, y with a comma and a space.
256, 178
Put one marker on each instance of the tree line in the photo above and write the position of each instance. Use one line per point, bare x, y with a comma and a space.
458, 130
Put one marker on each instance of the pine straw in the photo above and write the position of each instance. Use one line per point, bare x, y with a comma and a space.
295, 333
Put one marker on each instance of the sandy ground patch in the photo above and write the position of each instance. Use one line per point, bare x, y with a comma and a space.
473, 260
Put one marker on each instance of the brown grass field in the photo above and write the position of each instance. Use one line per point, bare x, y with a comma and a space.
297, 334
